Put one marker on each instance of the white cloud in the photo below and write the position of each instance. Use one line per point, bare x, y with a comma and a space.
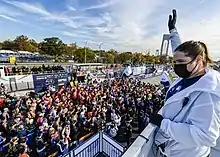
8, 18
8, 11
126, 23
14, 19
105, 4
205, 28
129, 25
122, 23
71, 8
44, 14
68, 33
35, 9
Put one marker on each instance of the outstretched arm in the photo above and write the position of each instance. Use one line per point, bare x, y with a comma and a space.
174, 35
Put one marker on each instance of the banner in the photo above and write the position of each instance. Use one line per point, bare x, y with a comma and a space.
51, 82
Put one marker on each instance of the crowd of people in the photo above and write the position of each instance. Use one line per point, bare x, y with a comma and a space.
53, 123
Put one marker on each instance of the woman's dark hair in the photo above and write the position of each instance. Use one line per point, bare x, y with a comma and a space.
195, 48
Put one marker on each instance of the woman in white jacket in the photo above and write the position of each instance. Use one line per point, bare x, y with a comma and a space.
189, 122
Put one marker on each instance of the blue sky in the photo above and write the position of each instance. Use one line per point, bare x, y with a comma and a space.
124, 25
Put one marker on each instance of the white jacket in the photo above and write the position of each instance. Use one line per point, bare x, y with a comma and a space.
195, 129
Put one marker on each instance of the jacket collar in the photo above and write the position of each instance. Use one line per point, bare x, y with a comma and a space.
210, 83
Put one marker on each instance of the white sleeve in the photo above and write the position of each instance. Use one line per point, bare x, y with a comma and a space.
203, 124
175, 39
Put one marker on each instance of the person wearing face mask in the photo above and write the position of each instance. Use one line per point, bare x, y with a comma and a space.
189, 122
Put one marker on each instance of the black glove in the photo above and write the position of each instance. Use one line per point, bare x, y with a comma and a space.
156, 119
172, 20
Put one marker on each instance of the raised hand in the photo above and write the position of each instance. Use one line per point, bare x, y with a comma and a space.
172, 20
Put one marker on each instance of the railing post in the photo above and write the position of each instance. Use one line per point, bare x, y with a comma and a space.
72, 154
101, 141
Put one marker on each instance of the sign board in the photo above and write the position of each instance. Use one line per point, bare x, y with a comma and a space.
18, 78
49, 81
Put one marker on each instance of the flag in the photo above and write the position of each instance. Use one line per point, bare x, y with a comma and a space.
166, 79
127, 72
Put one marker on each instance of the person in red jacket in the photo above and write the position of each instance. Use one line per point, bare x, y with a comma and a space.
2, 102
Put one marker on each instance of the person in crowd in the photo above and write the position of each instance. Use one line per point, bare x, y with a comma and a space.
189, 121
141, 121
22, 150
128, 133
62, 147
113, 130
2, 143
40, 145
2, 102
2, 89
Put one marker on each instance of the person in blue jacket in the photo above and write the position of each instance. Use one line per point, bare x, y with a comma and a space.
189, 122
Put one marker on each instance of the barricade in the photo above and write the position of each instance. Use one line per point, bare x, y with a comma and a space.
99, 143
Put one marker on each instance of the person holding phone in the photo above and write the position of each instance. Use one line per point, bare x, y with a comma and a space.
189, 122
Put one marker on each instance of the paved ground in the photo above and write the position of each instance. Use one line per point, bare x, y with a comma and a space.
152, 80
156, 79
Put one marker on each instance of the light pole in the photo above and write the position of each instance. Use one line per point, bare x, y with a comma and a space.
85, 49
99, 48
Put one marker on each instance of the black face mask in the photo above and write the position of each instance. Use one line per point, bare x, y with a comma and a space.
181, 70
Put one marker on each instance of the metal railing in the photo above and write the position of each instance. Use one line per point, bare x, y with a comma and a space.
110, 147
143, 145
99, 143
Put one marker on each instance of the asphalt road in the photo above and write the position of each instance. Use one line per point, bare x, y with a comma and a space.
152, 80
156, 80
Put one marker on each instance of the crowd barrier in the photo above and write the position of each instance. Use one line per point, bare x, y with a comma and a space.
144, 145
99, 143
14, 87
